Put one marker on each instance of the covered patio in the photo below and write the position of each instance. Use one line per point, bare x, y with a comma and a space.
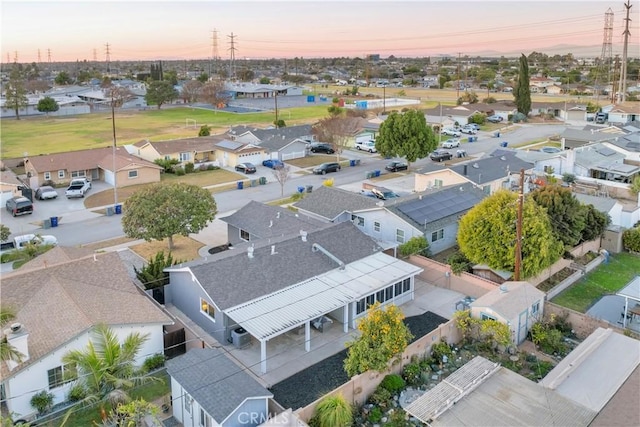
622, 309
631, 295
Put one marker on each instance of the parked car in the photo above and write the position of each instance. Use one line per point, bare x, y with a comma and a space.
469, 130
396, 166
451, 132
325, 168
19, 206
273, 163
46, 192
369, 146
494, 119
383, 193
451, 143
440, 155
321, 147
78, 188
246, 167
474, 126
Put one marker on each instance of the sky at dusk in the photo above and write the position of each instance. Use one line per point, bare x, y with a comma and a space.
151, 30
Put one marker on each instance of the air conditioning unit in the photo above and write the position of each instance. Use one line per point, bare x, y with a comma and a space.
240, 338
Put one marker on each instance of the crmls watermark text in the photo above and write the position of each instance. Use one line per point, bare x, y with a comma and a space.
256, 418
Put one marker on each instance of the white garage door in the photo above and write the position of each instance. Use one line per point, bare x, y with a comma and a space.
255, 158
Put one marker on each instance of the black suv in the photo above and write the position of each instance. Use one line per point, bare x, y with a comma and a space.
321, 148
440, 155
324, 168
19, 206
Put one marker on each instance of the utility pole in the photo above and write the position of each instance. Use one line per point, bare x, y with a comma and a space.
49, 56
276, 100
39, 59
518, 262
115, 171
108, 59
622, 87
458, 78
616, 70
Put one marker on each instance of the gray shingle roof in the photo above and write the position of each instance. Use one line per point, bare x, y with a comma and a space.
265, 221
586, 135
214, 381
330, 202
289, 132
489, 169
231, 277
602, 204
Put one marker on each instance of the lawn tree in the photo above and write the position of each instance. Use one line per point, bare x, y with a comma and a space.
48, 105
384, 335
337, 131
487, 235
213, 93
406, 135
161, 211
16, 92
596, 223
565, 212
7, 351
282, 175
191, 91
118, 94
63, 79
105, 368
522, 91
160, 92
205, 130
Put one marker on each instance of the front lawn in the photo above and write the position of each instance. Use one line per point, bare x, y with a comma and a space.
605, 279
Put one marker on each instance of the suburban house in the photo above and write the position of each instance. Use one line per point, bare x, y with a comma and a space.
369, 130
68, 105
518, 304
196, 150
257, 221
448, 116
573, 138
259, 291
10, 185
628, 144
600, 162
94, 164
540, 84
211, 390
504, 109
279, 143
621, 214
624, 113
331, 204
254, 90
231, 153
58, 301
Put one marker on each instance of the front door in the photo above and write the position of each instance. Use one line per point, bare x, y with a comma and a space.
522, 327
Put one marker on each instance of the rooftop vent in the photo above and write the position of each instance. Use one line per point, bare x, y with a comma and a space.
303, 235
475, 165
503, 289
273, 250
15, 327
250, 251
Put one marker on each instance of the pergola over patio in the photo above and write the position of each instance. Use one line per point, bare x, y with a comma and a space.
630, 292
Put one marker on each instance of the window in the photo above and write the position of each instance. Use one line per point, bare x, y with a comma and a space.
133, 174
535, 308
47, 176
244, 235
484, 316
361, 306
380, 296
388, 293
406, 285
438, 183
357, 220
78, 174
167, 157
185, 156
61, 174
187, 403
437, 235
61, 375
207, 309
205, 420
376, 226
399, 235
486, 189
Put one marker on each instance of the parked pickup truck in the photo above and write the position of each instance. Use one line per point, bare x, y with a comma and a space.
78, 187
20, 242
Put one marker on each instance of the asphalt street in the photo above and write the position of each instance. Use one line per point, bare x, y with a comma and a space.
78, 226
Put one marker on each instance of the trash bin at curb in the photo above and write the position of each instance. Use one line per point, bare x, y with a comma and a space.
54, 221
301, 190
118, 209
109, 210
376, 173
352, 162
46, 223
254, 182
309, 188
240, 185
263, 180
504, 144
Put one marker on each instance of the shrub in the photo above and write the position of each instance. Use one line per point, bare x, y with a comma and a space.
189, 167
205, 130
411, 373
376, 415
568, 178
459, 263
167, 165
42, 401
393, 382
212, 168
631, 239
76, 393
154, 362
381, 397
334, 411
415, 245
439, 350
179, 171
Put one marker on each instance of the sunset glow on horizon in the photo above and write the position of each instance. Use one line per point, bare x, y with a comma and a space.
78, 31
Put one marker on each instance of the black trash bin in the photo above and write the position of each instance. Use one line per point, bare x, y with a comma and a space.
309, 188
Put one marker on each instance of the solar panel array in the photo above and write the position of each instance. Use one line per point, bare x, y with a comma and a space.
439, 205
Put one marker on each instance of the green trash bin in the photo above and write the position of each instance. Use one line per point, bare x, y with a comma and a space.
254, 182
263, 180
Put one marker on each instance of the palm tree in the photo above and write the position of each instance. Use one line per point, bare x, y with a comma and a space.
105, 369
7, 351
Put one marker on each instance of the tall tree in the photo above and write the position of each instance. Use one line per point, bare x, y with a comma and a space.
191, 91
213, 93
161, 211
596, 223
63, 78
487, 235
406, 135
105, 369
48, 105
565, 212
118, 94
16, 92
160, 92
522, 91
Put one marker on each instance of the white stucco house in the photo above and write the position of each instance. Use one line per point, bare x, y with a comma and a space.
58, 299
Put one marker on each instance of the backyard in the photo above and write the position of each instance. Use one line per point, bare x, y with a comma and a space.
607, 278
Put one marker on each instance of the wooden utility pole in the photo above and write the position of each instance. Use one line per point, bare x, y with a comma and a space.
458, 78
518, 264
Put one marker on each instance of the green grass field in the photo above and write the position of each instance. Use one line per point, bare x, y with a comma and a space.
606, 279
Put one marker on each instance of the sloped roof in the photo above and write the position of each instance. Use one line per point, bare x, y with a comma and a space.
87, 159
288, 133
629, 142
510, 303
585, 136
59, 302
171, 146
489, 169
236, 147
330, 202
56, 255
265, 221
214, 381
234, 278
602, 204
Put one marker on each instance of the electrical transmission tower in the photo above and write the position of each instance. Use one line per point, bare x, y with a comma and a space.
39, 60
108, 58
49, 56
622, 87
603, 72
214, 52
232, 57
95, 55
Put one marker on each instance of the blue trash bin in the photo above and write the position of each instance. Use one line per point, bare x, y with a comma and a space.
240, 185
352, 162
54, 221
118, 209
504, 144
377, 173
301, 190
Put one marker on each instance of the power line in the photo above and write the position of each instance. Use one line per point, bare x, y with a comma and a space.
232, 57
622, 88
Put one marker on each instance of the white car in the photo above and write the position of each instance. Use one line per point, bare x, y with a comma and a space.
468, 130
451, 143
369, 146
451, 132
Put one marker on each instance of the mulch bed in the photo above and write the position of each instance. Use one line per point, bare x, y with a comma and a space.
310, 384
